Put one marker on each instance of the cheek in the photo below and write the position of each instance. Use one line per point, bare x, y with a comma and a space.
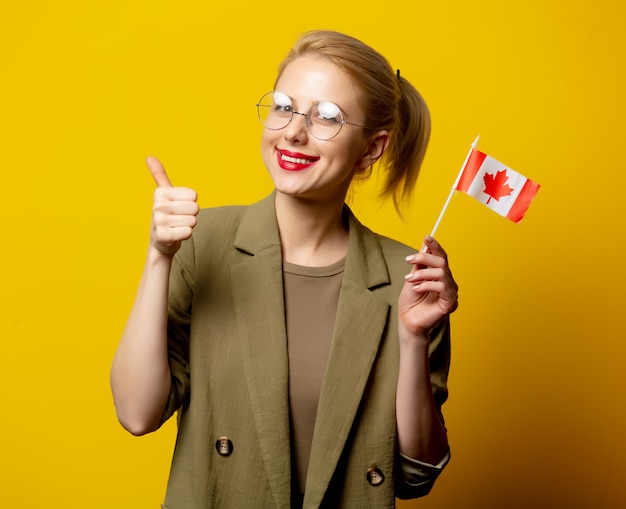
269, 140
263, 138
353, 153
267, 146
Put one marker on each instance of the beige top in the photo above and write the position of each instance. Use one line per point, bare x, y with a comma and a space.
311, 297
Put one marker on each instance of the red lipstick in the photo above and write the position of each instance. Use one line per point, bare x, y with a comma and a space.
294, 161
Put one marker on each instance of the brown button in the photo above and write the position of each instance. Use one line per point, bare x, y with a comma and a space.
224, 446
375, 476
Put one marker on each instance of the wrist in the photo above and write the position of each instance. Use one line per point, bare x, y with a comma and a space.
157, 257
407, 336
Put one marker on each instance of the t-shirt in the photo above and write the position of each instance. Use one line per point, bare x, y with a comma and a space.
311, 298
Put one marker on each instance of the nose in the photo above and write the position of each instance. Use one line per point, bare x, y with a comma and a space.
296, 130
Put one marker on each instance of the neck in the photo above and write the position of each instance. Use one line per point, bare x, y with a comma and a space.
311, 233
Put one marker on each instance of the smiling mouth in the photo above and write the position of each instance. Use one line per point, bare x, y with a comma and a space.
293, 161
296, 160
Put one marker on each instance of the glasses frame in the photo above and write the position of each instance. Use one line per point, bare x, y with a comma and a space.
307, 117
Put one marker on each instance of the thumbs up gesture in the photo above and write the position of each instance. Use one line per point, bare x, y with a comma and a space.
174, 213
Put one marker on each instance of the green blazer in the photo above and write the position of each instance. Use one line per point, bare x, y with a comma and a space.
229, 363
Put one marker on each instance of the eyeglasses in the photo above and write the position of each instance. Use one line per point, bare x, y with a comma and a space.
324, 119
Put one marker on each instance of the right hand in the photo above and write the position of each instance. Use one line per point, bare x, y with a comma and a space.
174, 213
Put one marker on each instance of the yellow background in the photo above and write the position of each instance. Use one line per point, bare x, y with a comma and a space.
537, 410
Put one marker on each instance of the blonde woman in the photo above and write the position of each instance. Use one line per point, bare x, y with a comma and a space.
307, 356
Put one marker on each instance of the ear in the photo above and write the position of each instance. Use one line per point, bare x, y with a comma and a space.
376, 146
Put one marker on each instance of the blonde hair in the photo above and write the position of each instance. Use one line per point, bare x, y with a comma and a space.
389, 102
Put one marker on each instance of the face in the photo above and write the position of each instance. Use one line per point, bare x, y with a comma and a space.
303, 166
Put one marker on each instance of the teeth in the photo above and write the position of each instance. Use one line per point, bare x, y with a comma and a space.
296, 160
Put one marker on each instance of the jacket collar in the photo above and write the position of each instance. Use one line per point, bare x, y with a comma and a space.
258, 232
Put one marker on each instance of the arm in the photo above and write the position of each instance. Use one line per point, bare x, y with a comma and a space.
427, 298
140, 374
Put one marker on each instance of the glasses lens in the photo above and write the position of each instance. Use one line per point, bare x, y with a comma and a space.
326, 120
275, 110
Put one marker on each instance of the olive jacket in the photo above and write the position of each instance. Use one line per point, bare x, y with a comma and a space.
227, 349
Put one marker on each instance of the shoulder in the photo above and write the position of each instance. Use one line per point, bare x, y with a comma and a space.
216, 227
391, 248
214, 219
376, 259
395, 254
212, 235
394, 248
221, 232
228, 219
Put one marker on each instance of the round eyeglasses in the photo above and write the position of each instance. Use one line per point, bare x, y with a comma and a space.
324, 119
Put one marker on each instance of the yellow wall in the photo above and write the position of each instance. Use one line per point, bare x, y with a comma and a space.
89, 89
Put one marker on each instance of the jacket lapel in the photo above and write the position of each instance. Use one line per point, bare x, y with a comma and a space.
359, 327
259, 306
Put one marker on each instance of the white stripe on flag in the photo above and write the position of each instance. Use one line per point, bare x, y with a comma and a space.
498, 187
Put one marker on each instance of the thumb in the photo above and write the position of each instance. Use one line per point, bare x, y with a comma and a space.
158, 172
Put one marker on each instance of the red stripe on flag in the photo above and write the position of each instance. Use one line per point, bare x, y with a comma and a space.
474, 162
526, 195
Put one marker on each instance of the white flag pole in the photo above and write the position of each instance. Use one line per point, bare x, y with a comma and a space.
445, 206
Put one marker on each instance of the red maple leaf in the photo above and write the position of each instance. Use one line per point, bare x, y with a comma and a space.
496, 185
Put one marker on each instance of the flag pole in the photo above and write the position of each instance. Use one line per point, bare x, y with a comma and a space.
445, 206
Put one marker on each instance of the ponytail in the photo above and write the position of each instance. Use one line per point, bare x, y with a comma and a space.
407, 146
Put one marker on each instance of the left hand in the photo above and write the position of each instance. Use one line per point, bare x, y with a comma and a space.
430, 292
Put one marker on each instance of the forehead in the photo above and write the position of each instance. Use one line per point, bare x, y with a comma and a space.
308, 80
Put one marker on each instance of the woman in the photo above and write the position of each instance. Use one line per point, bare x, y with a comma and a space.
307, 356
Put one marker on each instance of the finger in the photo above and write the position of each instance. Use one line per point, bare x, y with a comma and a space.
434, 287
158, 172
426, 274
171, 195
424, 260
169, 235
432, 246
164, 219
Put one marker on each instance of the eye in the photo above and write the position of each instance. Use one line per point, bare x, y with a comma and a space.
327, 112
281, 102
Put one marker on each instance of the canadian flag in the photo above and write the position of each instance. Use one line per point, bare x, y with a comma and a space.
503, 190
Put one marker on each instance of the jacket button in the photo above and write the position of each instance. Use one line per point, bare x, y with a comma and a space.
224, 446
375, 476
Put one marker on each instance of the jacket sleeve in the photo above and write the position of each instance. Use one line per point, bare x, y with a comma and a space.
178, 328
417, 478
